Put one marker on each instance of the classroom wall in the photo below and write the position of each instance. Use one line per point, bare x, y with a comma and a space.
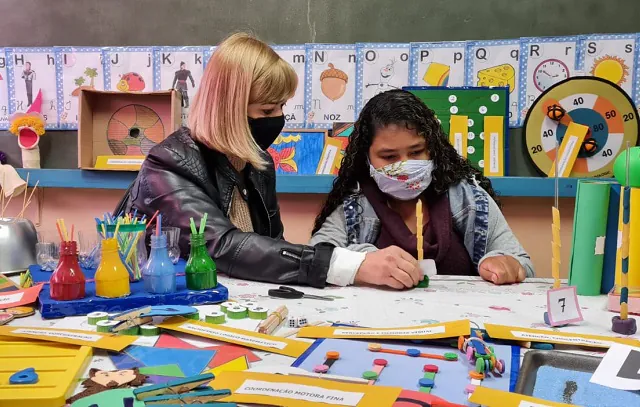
529, 218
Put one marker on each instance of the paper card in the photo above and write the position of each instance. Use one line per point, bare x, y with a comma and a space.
20, 297
4, 92
458, 133
72, 336
82, 324
543, 63
619, 369
294, 391
563, 307
330, 158
494, 146
488, 397
380, 67
294, 109
610, 57
437, 63
496, 63
568, 151
30, 70
255, 340
330, 84
538, 335
179, 68
128, 69
433, 331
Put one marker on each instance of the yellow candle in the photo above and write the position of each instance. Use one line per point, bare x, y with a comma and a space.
420, 245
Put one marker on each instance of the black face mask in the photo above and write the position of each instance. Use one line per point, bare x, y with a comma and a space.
265, 130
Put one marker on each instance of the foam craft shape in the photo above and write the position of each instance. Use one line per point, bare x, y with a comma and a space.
237, 382
104, 380
162, 370
190, 361
433, 331
70, 336
495, 398
224, 353
109, 398
20, 297
236, 365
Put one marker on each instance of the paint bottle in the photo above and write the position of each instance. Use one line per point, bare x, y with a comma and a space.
112, 277
159, 275
201, 269
67, 282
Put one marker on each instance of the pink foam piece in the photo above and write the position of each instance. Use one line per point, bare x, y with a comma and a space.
469, 389
321, 369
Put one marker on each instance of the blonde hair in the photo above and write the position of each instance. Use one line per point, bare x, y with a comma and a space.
242, 70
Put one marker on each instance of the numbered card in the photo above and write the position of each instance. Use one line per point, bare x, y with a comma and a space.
496, 63
437, 63
77, 69
31, 70
128, 69
179, 68
295, 55
610, 57
563, 307
331, 87
380, 67
543, 63
619, 369
4, 92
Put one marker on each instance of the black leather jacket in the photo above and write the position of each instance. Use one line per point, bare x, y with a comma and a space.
184, 179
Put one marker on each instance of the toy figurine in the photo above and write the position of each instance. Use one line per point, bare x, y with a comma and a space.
28, 127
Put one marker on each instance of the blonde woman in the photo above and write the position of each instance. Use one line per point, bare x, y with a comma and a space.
218, 166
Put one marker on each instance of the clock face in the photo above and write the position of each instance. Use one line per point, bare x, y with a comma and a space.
549, 73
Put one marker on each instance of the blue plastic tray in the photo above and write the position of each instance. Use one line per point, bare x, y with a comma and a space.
50, 308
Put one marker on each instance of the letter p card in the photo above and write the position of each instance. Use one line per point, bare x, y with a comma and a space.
563, 307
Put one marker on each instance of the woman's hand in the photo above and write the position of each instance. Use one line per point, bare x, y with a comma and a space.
391, 267
502, 270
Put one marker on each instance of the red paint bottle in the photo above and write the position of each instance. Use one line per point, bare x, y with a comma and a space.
67, 282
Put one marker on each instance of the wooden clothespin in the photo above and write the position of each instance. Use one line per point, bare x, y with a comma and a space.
144, 315
181, 392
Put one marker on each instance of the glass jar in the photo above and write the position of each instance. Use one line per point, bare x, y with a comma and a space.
200, 271
67, 282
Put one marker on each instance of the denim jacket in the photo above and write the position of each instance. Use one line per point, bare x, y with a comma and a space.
476, 217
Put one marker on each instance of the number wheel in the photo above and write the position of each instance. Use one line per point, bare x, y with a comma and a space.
599, 104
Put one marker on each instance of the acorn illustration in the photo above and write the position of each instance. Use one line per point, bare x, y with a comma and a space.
333, 82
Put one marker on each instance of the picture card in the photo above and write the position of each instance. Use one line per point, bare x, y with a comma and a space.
437, 63
434, 331
179, 68
496, 63
331, 87
563, 307
4, 91
76, 69
380, 67
72, 336
31, 70
128, 69
295, 55
619, 369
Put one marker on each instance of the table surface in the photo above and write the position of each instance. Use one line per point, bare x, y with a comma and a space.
446, 299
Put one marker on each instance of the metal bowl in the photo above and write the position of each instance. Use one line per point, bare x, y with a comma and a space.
18, 238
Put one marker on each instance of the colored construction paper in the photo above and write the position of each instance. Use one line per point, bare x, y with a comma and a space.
611, 242
109, 398
236, 365
191, 361
589, 224
20, 297
162, 370
122, 361
224, 353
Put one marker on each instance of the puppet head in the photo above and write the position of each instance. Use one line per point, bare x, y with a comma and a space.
29, 126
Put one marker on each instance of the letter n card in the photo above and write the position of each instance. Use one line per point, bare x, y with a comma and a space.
563, 307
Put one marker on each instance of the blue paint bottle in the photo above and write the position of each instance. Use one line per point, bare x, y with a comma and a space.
159, 275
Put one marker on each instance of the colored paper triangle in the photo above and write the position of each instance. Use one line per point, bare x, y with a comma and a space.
191, 361
162, 370
236, 365
227, 353
123, 361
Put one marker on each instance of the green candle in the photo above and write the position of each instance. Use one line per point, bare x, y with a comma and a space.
201, 269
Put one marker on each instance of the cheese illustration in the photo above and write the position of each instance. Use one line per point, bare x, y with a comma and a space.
501, 75
437, 74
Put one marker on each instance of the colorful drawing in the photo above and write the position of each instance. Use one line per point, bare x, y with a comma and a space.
333, 82
90, 73
612, 68
131, 82
437, 74
501, 75
386, 74
283, 159
297, 152
133, 130
548, 73
180, 83
102, 380
29, 75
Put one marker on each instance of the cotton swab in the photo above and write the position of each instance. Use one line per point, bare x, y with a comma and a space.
203, 223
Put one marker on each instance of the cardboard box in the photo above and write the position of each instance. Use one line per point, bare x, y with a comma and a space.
116, 130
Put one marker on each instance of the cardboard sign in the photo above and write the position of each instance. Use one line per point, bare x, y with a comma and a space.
619, 369
254, 340
294, 391
563, 307
488, 397
538, 335
72, 336
20, 297
434, 331
494, 146
569, 149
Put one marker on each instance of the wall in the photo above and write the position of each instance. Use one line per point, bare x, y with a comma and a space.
529, 218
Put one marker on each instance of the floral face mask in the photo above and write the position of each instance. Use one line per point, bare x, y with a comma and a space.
403, 180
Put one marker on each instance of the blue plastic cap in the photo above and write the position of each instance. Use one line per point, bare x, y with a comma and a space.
414, 353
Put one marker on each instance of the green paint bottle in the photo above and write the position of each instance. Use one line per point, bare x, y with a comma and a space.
201, 269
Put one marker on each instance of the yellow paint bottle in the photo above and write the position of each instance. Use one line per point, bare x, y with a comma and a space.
112, 277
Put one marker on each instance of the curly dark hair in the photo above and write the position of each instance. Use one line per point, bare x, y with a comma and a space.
399, 107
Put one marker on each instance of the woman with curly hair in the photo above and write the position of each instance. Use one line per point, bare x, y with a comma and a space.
398, 154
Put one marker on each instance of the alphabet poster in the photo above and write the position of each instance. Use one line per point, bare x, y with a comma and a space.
179, 68
496, 63
4, 92
208, 51
294, 109
543, 63
77, 69
438, 63
128, 69
610, 57
331, 87
31, 70
380, 67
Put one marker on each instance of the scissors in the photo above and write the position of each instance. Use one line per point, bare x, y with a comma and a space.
291, 293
